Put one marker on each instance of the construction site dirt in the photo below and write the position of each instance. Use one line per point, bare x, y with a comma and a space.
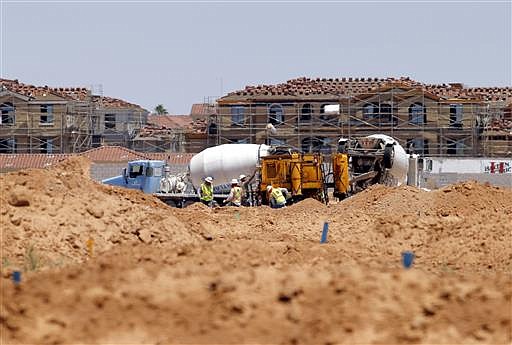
101, 264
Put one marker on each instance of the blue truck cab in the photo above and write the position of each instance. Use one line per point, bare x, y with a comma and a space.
144, 175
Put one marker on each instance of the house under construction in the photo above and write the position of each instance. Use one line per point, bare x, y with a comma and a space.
37, 119
427, 119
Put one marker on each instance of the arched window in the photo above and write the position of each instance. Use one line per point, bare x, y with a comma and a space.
305, 113
378, 111
385, 112
323, 116
331, 116
237, 115
417, 113
8, 114
275, 114
371, 111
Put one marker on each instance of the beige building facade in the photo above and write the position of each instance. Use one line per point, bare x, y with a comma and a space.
38, 119
426, 119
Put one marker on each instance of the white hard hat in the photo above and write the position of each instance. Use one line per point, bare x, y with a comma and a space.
241, 177
208, 179
269, 188
234, 181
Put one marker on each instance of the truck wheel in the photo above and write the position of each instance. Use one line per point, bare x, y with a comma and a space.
388, 157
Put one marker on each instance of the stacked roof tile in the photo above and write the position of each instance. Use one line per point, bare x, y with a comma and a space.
322, 86
303, 87
33, 91
165, 125
110, 102
71, 93
490, 94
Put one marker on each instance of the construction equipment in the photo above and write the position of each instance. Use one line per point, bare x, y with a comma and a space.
154, 177
357, 164
300, 173
374, 159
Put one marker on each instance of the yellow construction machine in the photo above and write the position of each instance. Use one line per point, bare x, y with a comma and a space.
356, 164
303, 175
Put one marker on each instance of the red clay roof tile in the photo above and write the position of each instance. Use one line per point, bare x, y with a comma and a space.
343, 86
170, 121
72, 93
97, 155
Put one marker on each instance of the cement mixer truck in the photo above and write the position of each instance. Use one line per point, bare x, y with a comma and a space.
377, 158
357, 164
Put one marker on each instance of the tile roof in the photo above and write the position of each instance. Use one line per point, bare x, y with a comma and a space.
112, 154
202, 109
97, 155
161, 127
171, 158
336, 87
321, 86
71, 93
75, 93
31, 90
29, 160
110, 102
494, 94
170, 121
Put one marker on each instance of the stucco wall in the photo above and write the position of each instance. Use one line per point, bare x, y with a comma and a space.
443, 171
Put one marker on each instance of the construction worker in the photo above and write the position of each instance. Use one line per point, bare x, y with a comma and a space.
235, 195
206, 191
276, 197
246, 192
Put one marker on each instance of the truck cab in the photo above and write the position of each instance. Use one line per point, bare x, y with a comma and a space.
144, 175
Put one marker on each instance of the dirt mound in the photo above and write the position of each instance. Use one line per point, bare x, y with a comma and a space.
48, 216
468, 198
305, 205
230, 275
379, 199
169, 297
77, 166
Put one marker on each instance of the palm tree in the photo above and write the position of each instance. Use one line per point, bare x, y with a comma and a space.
160, 110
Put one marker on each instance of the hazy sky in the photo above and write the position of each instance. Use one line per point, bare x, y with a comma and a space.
179, 53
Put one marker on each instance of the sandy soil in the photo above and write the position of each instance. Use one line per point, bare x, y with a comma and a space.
252, 275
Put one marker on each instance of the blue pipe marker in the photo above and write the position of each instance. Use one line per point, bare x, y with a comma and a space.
407, 259
16, 277
325, 231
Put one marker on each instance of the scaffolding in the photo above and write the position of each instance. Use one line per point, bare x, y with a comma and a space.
188, 138
421, 122
61, 124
